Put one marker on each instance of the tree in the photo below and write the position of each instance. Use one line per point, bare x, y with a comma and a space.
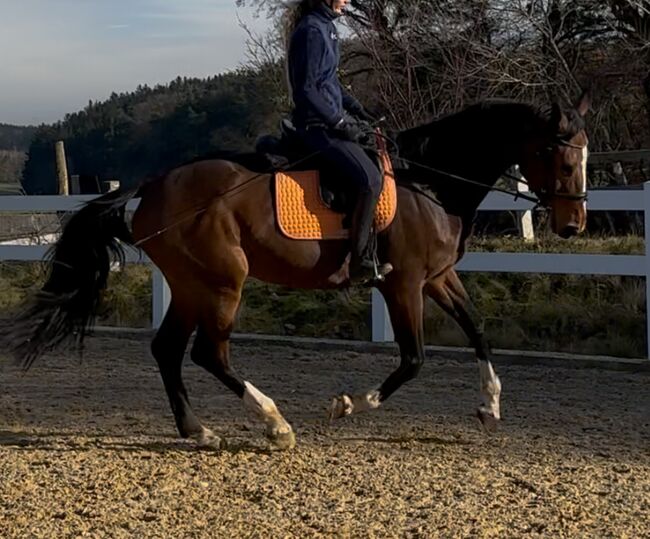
417, 59
131, 136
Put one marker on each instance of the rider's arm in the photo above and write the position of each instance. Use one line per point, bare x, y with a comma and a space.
308, 49
350, 103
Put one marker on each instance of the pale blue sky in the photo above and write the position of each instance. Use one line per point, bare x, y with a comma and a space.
55, 55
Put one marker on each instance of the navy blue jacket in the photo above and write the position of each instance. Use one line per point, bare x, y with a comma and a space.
313, 61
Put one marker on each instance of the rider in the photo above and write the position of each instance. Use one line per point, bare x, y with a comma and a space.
325, 113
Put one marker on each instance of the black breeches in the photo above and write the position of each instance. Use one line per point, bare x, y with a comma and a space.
348, 159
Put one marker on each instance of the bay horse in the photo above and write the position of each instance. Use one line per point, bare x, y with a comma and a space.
211, 224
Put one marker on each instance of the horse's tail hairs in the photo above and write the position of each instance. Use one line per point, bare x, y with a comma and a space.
78, 268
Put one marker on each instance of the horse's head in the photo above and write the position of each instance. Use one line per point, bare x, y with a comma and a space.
554, 163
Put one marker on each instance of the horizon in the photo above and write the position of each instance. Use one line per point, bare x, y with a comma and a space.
123, 46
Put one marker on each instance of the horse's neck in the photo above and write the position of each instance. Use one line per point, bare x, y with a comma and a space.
479, 149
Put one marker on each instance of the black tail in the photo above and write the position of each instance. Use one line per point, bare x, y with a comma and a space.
79, 265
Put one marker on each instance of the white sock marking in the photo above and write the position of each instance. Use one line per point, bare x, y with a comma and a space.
367, 401
490, 388
265, 409
348, 405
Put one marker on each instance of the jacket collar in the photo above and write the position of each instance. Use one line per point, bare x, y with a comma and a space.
327, 13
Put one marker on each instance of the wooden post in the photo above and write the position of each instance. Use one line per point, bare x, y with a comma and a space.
61, 168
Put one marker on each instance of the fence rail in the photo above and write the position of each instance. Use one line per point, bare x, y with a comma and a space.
583, 264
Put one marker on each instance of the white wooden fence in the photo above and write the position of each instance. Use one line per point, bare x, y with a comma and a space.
584, 264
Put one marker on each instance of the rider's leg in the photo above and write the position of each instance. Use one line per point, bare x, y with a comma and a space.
355, 165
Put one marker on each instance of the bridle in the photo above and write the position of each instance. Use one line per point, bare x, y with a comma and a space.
545, 196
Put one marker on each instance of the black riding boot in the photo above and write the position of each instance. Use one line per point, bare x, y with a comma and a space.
362, 263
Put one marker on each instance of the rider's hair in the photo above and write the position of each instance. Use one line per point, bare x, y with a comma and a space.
293, 14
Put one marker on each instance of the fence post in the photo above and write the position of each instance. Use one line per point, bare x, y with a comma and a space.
525, 221
161, 296
61, 168
382, 330
646, 234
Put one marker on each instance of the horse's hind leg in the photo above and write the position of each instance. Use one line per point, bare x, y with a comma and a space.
168, 348
211, 351
448, 291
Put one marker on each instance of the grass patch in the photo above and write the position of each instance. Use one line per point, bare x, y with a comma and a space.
547, 243
563, 313
126, 302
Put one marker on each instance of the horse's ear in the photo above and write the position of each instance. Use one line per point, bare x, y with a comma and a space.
584, 103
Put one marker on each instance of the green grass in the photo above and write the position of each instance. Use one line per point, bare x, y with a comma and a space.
126, 302
619, 245
570, 313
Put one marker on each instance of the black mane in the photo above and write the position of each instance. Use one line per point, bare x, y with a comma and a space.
497, 119
478, 143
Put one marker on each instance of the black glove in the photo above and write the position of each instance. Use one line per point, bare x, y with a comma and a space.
348, 130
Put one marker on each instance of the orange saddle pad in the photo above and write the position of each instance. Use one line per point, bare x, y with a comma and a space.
302, 214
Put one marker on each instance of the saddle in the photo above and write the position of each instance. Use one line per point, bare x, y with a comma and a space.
311, 202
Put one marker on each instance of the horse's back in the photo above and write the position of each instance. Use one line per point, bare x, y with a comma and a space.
188, 192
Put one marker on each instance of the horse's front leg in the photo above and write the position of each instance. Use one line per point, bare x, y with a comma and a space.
403, 295
448, 291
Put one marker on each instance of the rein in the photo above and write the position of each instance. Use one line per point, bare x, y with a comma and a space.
538, 201
414, 187
515, 194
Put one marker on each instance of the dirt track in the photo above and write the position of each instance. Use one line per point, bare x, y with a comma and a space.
90, 450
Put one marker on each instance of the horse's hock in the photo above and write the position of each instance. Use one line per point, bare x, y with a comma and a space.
90, 448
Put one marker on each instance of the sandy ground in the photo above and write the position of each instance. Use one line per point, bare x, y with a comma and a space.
89, 450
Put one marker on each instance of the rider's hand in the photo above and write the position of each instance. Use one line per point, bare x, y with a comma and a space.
348, 130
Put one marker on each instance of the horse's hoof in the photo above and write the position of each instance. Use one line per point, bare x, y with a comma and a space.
209, 440
282, 441
340, 407
487, 419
